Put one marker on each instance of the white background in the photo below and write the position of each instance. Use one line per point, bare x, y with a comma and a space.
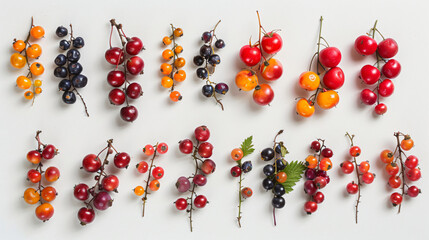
76, 135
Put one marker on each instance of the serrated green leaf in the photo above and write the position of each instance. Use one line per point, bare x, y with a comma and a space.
247, 146
294, 171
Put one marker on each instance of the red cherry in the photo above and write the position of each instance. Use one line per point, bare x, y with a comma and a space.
129, 113
208, 166
134, 90
327, 152
202, 133
334, 78
387, 48
122, 160
114, 56
200, 180
414, 174
116, 78
135, 65
271, 70
380, 109
85, 215
330, 57
250, 55
386, 88
320, 182
365, 45
117, 96
91, 163
271, 43
352, 188
49, 152
181, 204
134, 46
186, 146
369, 74
368, 97
318, 197
391, 69
263, 94
310, 207
200, 201
205, 149
413, 191
110, 183
396, 198
411, 162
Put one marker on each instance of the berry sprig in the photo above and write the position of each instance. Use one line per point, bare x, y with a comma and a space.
131, 65
68, 67
210, 60
269, 68
98, 196
374, 74
172, 71
42, 194
361, 170
402, 169
316, 174
238, 170
157, 172
326, 61
281, 176
201, 151
27, 51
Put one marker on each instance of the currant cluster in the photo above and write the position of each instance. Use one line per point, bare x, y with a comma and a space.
42, 194
207, 61
157, 172
270, 68
68, 67
333, 79
370, 75
98, 196
238, 170
131, 65
25, 52
361, 170
172, 71
201, 151
402, 169
316, 174
281, 176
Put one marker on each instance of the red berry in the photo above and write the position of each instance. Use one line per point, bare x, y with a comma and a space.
318, 197
121, 160
352, 188
391, 69
310, 207
186, 146
396, 198
34, 156
365, 45
117, 96
330, 57
315, 145
181, 204
411, 162
327, 153
263, 94
134, 46
368, 97
369, 74
114, 56
52, 174
208, 166
200, 201
129, 113
347, 167
148, 150
235, 171
162, 148
395, 181
392, 169
49, 152
110, 183
368, 177
91, 163
387, 48
85, 215
158, 172
34, 176
271, 43
320, 182
200, 180
116, 78
202, 133
142, 167
413, 191
250, 55
81, 192
334, 78
414, 174
354, 151
134, 90
380, 109
135, 65
205, 149
386, 88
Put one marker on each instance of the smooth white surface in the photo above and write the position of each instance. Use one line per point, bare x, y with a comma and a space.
76, 135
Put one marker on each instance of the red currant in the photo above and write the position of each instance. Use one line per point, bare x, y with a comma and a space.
114, 56
395, 181
396, 198
263, 94
334, 78
320, 182
414, 174
352, 188
181, 204
200, 201
387, 48
148, 150
116, 78
134, 46
34, 156
235, 171
202, 133
186, 146
368, 177
129, 113
85, 215
318, 197
369, 74
310, 207
135, 65
116, 96
162, 148
386, 88
327, 153
52, 174
158, 172
81, 192
110, 183
330, 57
142, 167
368, 97
347, 167
380, 109
205, 149
315, 145
354, 151
411, 162
91, 163
49, 152
391, 69
392, 169
208, 166
364, 167
413, 191
34, 176
200, 180
122, 160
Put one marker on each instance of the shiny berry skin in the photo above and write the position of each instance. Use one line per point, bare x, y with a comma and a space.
73, 55
207, 90
60, 72
34, 157
79, 81
368, 177
263, 94
205, 51
199, 180
116, 78
64, 45
200, 201
315, 145
325, 164
148, 150
310, 174
369, 74
60, 60
186, 146
311, 161
267, 184
281, 177
85, 215
327, 99
214, 60
122, 160
135, 65
31, 196
75, 68
267, 154
221, 88
235, 171
411, 162
271, 43
407, 143
34, 176
395, 181
81, 192
61, 31
206, 37
330, 57
347, 167
368, 97
386, 156
129, 113
318, 197
396, 198
183, 184
208, 166
49, 194
413, 191
320, 182
102, 201
386, 88
202, 133
181, 204
334, 78
158, 172
327, 153
365, 45
246, 192
364, 167
352, 188
162, 148
392, 169
134, 46
49, 152
219, 44
310, 187
280, 164
114, 56
202, 73
198, 60
250, 55
414, 174
268, 170
310, 207
278, 202
134, 90
44, 212
78, 42
205, 149
391, 69
52, 174
380, 109
237, 154
387, 48
246, 166
91, 163
279, 190
355, 151
142, 167
110, 183
116, 96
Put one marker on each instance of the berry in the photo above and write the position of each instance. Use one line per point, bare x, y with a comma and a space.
31, 196
310, 174
206, 37
205, 149
387, 48
365, 45
214, 60
154, 185
279, 190
61, 31
45, 211
110, 183
268, 170
52, 174
281, 177
114, 56
368, 97
369, 74
186, 146
414, 174
81, 192
310, 187
391, 69
392, 169
278, 202
49, 152
64, 45
202, 133
221, 88
202, 73
311, 162
207, 90
200, 201
280, 164
91, 163
134, 46
85, 215
75, 68
352, 188
380, 109
102, 201
183, 184
315, 145
271, 43
78, 42
354, 151
320, 182
219, 44
325, 164
246, 192
60, 60
37, 32
135, 65
396, 198
49, 194
129, 113
267, 184
318, 197
364, 167
134, 90
181, 204
117, 96
386, 88
334, 78
310, 207
142, 167
34, 156
246, 166
79, 81
330, 57
407, 143
327, 153
162, 148
60, 72
175, 96
122, 160
235, 171
34, 176
347, 167
198, 60
413, 191
250, 55
267, 154
386, 156
263, 94
411, 162
205, 51
237, 154
199, 180
395, 181
368, 177
208, 166
158, 172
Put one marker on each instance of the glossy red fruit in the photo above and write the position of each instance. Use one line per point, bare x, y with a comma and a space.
395, 181
135, 65
52, 174
181, 204
34, 176
186, 146
347, 167
202, 133
134, 46
327, 152
318, 197
413, 191
235, 171
34, 156
158, 172
85, 215
387, 48
386, 88
116, 96
411, 162
134, 90
330, 57
263, 94
334, 78
352, 188
369, 74
162, 148
205, 149
200, 201
250, 55
271, 43
129, 113
365, 45
110, 183
354, 151
396, 198
49, 152
91, 163
392, 169
414, 174
200, 180
122, 160
320, 182
368, 97
81, 192
116, 78
391, 69
272, 70
208, 166
380, 109
142, 167
114, 56
310, 207
368, 177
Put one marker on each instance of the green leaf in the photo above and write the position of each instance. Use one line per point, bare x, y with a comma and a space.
247, 146
283, 149
294, 171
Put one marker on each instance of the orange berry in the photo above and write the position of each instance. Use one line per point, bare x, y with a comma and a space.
386, 156
304, 108
281, 177
178, 49
246, 80
180, 76
237, 154
166, 68
19, 45
49, 193
29, 95
139, 190
23, 82
37, 68
167, 82
180, 62
364, 167
37, 83
34, 51
175, 96
327, 99
407, 143
31, 196
154, 185
45, 211
166, 40
38, 90
178, 32
167, 54
325, 164
311, 161
309, 81
17, 60
37, 32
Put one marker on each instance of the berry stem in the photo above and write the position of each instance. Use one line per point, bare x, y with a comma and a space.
357, 175
398, 148
29, 74
40, 165
191, 198
260, 31
276, 171
173, 37
240, 200
148, 179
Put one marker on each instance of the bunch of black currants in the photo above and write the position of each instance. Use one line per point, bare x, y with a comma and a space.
68, 67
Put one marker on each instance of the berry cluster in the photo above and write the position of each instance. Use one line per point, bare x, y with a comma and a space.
42, 194
270, 68
210, 60
98, 195
400, 170
361, 169
316, 174
281, 176
68, 67
172, 71
119, 79
370, 75
200, 150
325, 96
242, 167
25, 52
157, 172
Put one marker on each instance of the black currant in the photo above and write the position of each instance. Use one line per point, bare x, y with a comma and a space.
207, 90
198, 60
60, 72
75, 68
221, 88
69, 97
267, 154
269, 170
73, 55
206, 37
64, 85
214, 59
205, 51
60, 60
64, 44
220, 44
280, 164
246, 166
279, 190
61, 31
79, 81
78, 42
278, 202
202, 73
268, 184
278, 149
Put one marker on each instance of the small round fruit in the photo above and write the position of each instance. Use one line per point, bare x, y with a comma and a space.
327, 152
414, 174
17, 60
178, 32
246, 192
391, 69
181, 204
320, 182
180, 76
411, 162
272, 70
368, 177
315, 145
268, 170
413, 191
198, 60
19, 45
116, 78
61, 31
183, 184
117, 96
122, 160
221, 88
279, 190
134, 90
392, 169
202, 133
114, 56
237, 154
110, 183
250, 55
267, 154
235, 171
34, 156
91, 163
186, 146
354, 151
166, 40
325, 164
23, 82
207, 90
142, 167
310, 174
134, 46
327, 99
37, 32
219, 44
200, 201
31, 196
407, 143
45, 211
352, 188
368, 97
364, 167
199, 180
369, 74
330, 57
37, 68
396, 198
179, 62
52, 174
395, 181
365, 45
79, 81
158, 172
78, 42
205, 150
178, 49
202, 73
310, 187
81, 192
263, 94
246, 80
68, 97
208, 166
34, 176
246, 166
281, 177
380, 109
214, 60
205, 51
309, 81
305, 108
86, 215
49, 194
175, 96
34, 51
347, 167
135, 65
278, 202
318, 197
102, 201
386, 88
311, 161
271, 43
387, 48
129, 113
167, 82
334, 78
386, 156
267, 184
154, 185
310, 207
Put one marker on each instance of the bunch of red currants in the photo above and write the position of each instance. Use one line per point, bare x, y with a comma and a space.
370, 75
133, 65
270, 68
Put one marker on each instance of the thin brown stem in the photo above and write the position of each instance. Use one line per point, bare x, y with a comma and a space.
357, 176
398, 148
239, 197
148, 179
191, 198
